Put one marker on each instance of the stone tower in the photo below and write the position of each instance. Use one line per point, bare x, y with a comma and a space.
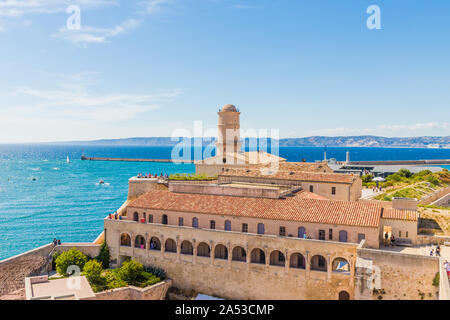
228, 139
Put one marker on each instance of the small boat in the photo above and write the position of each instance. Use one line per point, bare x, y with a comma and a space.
101, 181
68, 160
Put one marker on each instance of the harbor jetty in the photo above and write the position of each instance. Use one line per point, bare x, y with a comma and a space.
134, 160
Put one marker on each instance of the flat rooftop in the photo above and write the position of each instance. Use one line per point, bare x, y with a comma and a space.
73, 288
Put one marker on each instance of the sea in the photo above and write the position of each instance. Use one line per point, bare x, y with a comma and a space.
42, 196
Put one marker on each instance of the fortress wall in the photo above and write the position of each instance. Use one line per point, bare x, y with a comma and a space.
14, 270
403, 276
89, 249
235, 279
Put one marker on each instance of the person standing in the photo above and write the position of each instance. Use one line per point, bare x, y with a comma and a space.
438, 251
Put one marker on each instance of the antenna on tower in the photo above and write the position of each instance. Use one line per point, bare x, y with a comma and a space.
325, 153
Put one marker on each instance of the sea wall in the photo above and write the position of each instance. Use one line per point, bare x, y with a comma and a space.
424, 240
156, 292
403, 276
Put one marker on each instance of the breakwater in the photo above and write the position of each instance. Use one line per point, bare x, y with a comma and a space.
134, 160
400, 162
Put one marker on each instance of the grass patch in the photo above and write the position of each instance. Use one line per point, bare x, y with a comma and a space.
191, 177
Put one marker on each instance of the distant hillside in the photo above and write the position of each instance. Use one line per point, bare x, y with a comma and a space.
316, 141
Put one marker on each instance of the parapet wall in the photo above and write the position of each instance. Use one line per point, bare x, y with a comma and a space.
403, 276
255, 192
156, 292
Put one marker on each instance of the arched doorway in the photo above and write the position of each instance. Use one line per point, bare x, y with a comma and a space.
343, 295
258, 256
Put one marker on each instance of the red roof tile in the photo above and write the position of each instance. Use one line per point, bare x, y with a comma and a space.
295, 208
396, 214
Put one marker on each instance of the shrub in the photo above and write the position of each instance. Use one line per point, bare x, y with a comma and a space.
156, 271
433, 180
73, 257
93, 271
436, 280
130, 272
404, 173
149, 279
104, 256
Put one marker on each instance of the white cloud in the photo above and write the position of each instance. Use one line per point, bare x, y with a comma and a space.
243, 6
386, 129
152, 6
95, 35
74, 106
19, 8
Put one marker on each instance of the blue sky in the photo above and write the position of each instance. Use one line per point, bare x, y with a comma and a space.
149, 67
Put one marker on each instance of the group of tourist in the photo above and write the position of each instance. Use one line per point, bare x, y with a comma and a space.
149, 175
437, 251
447, 268
115, 216
389, 240
56, 242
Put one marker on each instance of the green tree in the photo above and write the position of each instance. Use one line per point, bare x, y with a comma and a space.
93, 271
104, 256
73, 257
366, 178
131, 272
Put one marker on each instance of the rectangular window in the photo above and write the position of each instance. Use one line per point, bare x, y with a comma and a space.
330, 234
321, 234
311, 189
212, 224
399, 234
150, 218
361, 237
180, 222
245, 227
333, 190
283, 231
407, 234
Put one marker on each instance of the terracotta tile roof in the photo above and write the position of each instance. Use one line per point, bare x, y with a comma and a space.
290, 175
299, 166
396, 214
310, 195
295, 208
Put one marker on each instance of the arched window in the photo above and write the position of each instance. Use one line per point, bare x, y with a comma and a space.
155, 244
340, 265
260, 228
318, 263
139, 242
258, 256
195, 222
277, 258
239, 254
301, 232
203, 250
342, 236
171, 245
220, 252
165, 219
227, 225
297, 261
125, 240
136, 216
187, 248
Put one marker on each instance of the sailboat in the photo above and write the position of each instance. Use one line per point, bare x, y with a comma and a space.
68, 160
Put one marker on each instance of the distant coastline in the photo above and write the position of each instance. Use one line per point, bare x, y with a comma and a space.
442, 142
